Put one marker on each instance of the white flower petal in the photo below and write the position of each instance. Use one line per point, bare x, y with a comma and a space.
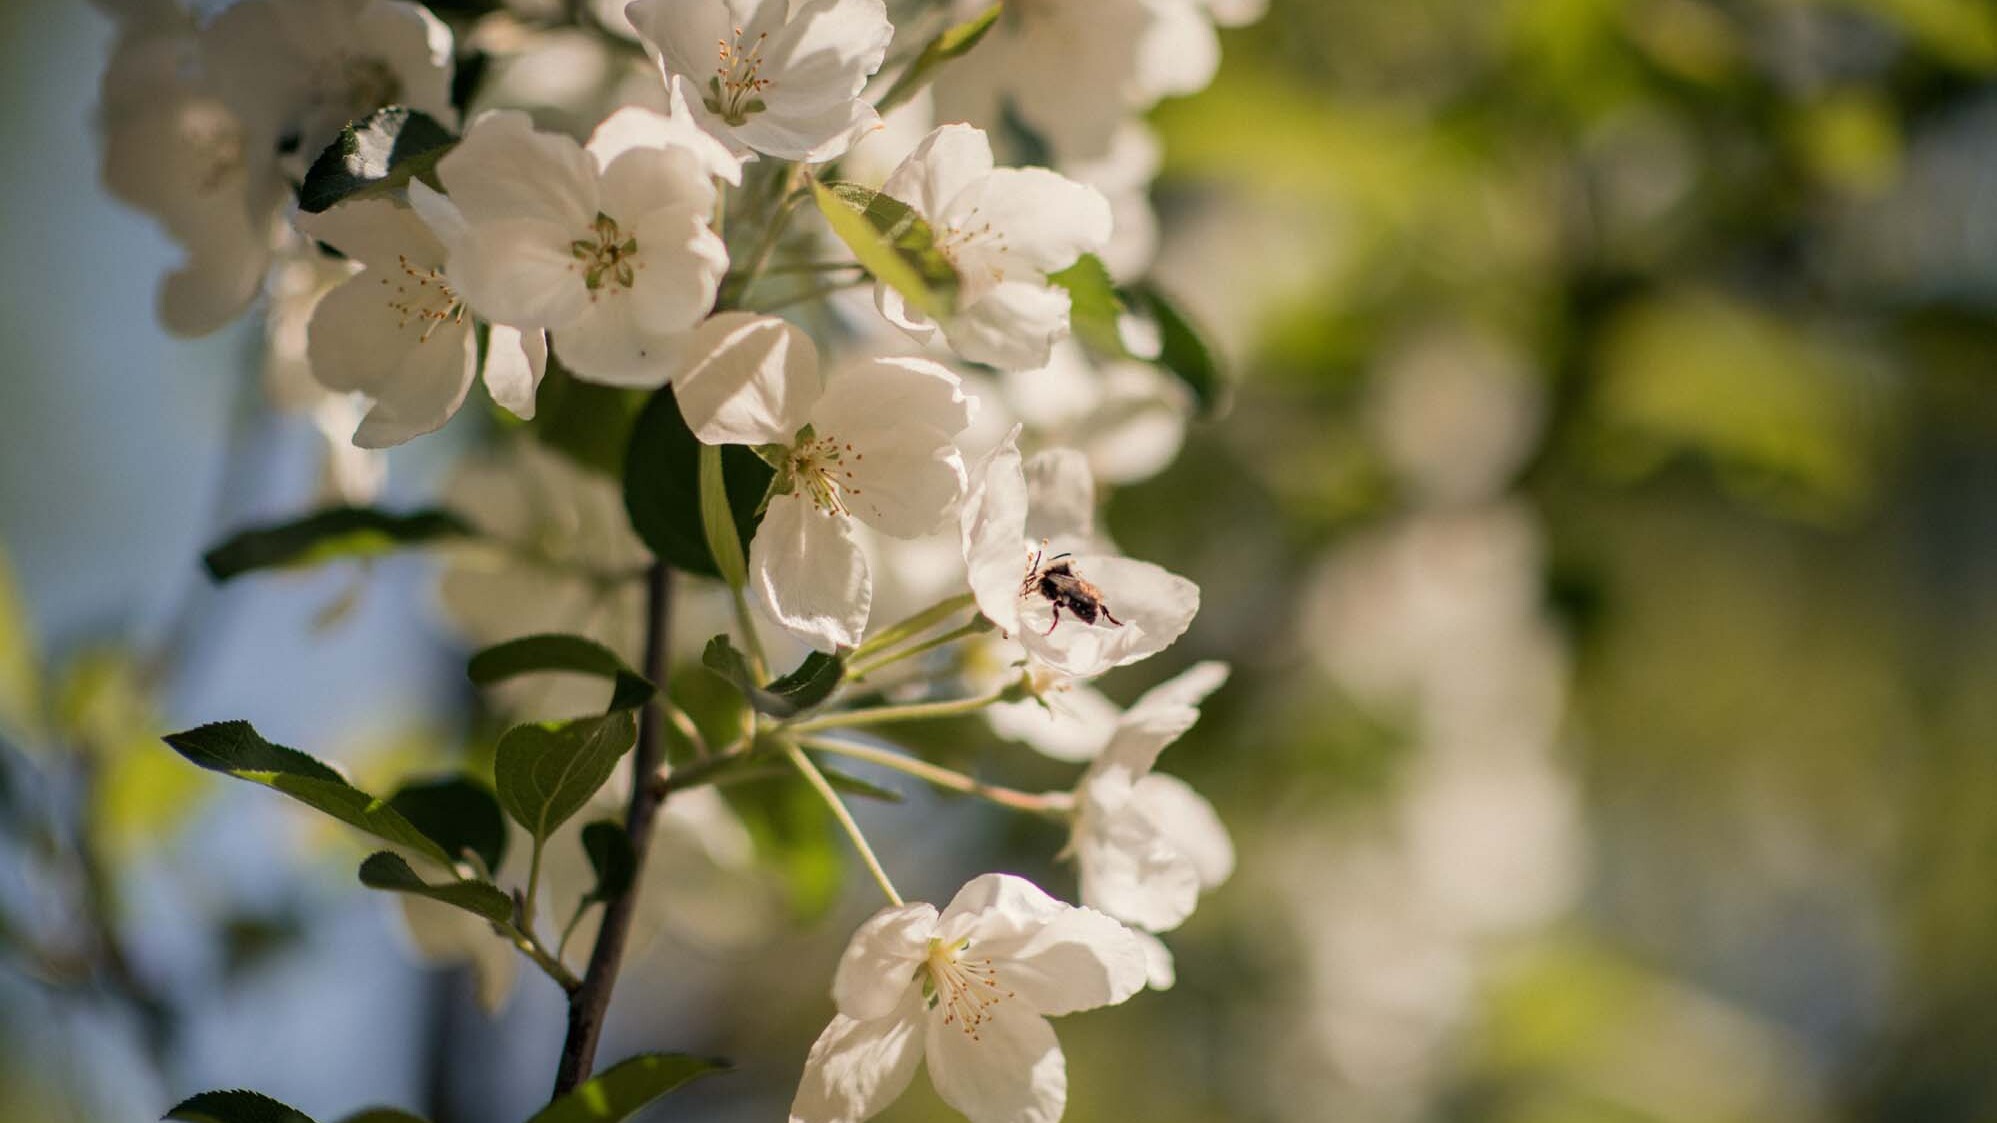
504, 169
1071, 724
824, 54
879, 966
377, 233
681, 261
519, 271
902, 472
1161, 971
996, 907
606, 345
1188, 823
1012, 326
856, 1069
752, 380
1047, 220
947, 162
416, 370
515, 363
1078, 960
682, 33
1155, 607
1061, 495
685, 154
1161, 716
994, 529
446, 222
1128, 868
810, 575
1011, 1071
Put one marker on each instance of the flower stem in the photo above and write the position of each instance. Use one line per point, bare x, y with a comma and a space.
1052, 805
913, 626
862, 670
549, 964
590, 1000
838, 808
889, 715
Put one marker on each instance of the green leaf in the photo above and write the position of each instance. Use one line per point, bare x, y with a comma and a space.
812, 682
546, 773
662, 488
1182, 349
894, 244
589, 424
235, 1106
375, 155
387, 870
338, 532
717, 521
611, 856
235, 748
558, 652
952, 43
459, 813
621, 1090
1095, 305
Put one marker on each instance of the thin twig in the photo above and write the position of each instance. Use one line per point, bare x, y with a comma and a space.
837, 806
1052, 805
590, 1002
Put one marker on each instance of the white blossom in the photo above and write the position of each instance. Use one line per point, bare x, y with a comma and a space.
1146, 844
607, 247
1147, 607
875, 443
766, 78
397, 330
969, 990
1003, 230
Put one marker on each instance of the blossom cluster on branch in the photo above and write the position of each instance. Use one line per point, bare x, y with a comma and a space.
856, 296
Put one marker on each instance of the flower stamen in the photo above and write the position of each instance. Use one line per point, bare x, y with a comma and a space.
608, 256
430, 299
966, 989
735, 92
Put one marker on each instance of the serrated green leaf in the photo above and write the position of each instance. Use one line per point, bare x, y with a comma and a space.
812, 682
559, 652
235, 748
375, 155
662, 488
339, 532
545, 773
235, 1106
611, 856
458, 813
893, 243
952, 43
621, 1090
1094, 306
387, 871
1182, 349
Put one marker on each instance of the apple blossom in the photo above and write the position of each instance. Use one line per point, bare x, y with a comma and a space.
1155, 607
875, 443
969, 990
1146, 844
768, 79
608, 247
397, 331
1003, 230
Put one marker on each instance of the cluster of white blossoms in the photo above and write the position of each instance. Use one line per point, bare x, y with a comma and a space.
952, 446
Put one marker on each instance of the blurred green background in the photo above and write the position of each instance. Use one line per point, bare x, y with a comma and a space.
1604, 534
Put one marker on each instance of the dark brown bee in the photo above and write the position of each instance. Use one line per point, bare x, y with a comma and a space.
1064, 588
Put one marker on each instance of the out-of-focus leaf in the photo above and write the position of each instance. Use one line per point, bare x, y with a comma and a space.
587, 423
662, 488
811, 683
375, 155
545, 773
460, 813
236, 749
1094, 306
717, 520
796, 838
611, 856
103, 709
621, 1090
1182, 349
235, 1106
954, 42
20, 660
329, 535
387, 871
895, 245
557, 652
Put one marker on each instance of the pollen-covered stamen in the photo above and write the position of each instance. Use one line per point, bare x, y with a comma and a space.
968, 238
608, 257
736, 90
822, 468
964, 987
422, 295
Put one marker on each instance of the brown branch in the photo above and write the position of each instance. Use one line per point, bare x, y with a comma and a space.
590, 1002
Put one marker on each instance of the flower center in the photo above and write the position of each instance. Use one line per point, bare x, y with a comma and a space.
423, 296
979, 242
736, 90
966, 989
822, 468
608, 257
